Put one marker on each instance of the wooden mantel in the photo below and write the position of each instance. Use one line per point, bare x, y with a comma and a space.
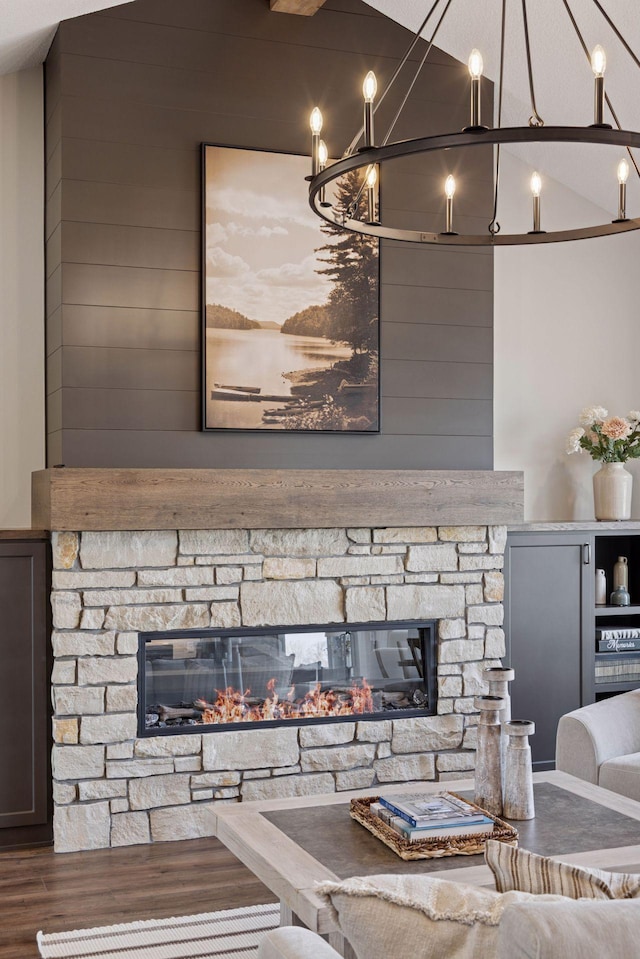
143, 499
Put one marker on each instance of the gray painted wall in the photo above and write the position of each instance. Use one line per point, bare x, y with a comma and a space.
131, 93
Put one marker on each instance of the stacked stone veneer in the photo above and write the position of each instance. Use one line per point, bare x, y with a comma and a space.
112, 789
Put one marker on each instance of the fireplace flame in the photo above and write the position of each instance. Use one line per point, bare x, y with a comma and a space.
231, 705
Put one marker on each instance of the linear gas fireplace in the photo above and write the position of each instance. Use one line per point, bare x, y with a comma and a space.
214, 679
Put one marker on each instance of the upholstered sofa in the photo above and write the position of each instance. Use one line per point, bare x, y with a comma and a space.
546, 930
540, 909
601, 743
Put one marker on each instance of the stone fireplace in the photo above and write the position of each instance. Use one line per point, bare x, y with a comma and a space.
192, 551
112, 787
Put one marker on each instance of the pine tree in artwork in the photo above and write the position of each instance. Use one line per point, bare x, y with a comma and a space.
352, 265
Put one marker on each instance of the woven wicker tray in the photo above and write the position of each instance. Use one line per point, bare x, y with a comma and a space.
431, 848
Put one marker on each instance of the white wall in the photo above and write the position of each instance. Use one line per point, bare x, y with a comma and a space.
567, 335
22, 425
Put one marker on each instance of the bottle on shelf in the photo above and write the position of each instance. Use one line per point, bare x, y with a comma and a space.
621, 573
601, 588
620, 595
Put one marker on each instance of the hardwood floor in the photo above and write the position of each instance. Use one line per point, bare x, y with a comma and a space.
43, 890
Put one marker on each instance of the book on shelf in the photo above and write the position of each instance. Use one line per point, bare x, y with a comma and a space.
424, 809
467, 826
616, 640
617, 667
618, 645
618, 632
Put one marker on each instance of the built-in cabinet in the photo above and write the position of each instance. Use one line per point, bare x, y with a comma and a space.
546, 611
551, 623
25, 713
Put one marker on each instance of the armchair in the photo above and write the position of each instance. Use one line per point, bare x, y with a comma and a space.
601, 744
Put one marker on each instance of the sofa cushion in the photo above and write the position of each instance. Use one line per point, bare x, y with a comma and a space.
515, 868
569, 929
622, 775
420, 917
294, 942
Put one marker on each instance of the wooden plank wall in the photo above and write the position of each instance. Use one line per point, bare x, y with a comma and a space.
131, 92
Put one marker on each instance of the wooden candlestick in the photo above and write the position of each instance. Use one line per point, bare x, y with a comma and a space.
518, 779
499, 678
488, 778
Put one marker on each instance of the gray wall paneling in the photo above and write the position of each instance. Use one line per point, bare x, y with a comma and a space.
131, 92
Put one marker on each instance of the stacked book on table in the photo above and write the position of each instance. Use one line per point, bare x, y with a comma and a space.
425, 816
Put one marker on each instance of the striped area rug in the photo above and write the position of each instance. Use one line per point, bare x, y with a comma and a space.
228, 934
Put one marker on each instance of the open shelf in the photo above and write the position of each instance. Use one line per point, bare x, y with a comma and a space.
621, 687
617, 610
607, 548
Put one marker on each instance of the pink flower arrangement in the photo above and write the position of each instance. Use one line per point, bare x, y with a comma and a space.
615, 428
610, 439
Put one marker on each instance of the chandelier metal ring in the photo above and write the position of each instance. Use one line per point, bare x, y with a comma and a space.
361, 212
373, 156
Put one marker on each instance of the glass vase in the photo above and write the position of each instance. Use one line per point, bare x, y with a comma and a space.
612, 486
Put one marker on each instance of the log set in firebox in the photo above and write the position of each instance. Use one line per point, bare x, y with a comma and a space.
214, 679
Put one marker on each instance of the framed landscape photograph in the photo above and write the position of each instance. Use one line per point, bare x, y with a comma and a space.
290, 319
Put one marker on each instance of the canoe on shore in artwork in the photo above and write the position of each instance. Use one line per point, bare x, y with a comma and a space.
240, 389
240, 396
357, 389
297, 406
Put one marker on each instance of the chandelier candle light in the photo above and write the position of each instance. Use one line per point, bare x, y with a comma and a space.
363, 155
323, 156
536, 189
599, 65
369, 89
315, 123
623, 176
372, 179
476, 69
449, 191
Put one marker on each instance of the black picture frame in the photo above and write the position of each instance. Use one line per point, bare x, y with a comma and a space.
262, 252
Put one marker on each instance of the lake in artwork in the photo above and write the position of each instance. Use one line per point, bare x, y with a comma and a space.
261, 359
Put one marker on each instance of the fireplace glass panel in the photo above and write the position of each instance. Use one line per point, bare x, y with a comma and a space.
215, 678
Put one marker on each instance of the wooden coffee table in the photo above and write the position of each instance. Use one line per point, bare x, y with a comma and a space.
290, 844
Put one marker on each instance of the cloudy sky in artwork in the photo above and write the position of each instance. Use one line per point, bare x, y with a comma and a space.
261, 235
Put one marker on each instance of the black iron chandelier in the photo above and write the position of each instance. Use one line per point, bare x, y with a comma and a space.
361, 212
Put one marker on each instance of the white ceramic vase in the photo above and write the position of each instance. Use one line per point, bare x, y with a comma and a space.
612, 486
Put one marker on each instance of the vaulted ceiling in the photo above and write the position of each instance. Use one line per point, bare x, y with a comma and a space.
28, 27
